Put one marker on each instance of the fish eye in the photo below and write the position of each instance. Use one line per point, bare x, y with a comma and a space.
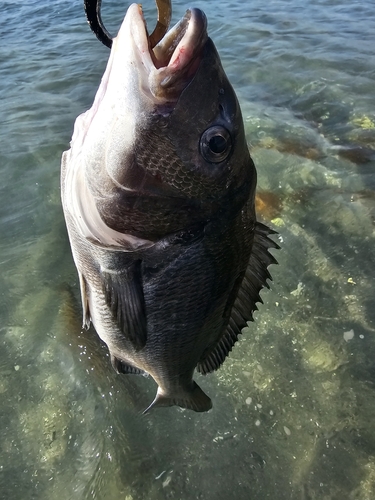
215, 144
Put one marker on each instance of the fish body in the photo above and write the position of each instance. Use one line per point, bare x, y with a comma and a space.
158, 193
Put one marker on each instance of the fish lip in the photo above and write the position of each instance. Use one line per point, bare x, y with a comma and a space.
170, 66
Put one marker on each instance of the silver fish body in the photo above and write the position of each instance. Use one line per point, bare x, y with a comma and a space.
158, 194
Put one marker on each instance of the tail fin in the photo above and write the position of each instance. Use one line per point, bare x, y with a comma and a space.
195, 400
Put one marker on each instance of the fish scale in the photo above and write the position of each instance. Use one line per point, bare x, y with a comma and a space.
158, 193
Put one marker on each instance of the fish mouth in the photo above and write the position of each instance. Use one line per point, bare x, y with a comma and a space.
168, 68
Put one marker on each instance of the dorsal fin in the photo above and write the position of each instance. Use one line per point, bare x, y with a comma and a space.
255, 279
123, 292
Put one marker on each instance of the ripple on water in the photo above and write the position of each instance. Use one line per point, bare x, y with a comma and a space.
293, 402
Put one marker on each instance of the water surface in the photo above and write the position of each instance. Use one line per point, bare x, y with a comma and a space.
294, 404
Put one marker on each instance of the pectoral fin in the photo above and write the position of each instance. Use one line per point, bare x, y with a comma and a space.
247, 295
124, 296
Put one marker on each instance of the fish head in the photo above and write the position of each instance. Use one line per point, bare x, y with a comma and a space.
165, 125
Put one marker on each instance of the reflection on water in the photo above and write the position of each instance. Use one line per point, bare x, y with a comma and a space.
294, 402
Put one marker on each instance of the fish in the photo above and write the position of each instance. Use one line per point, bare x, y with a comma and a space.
158, 193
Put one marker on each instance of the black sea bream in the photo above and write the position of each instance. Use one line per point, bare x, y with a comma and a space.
158, 192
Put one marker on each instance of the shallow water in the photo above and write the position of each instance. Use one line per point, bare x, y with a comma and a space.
294, 404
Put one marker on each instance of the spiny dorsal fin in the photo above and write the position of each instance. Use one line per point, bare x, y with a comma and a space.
124, 296
255, 279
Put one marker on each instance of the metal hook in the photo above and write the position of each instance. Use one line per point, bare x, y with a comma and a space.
92, 10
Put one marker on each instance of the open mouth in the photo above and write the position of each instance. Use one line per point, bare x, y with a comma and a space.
183, 43
173, 62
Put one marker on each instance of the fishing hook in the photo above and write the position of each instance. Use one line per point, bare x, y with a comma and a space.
92, 10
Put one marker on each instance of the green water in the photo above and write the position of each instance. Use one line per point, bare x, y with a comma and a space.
295, 400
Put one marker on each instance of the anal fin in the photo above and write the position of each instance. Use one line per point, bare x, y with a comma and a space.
123, 367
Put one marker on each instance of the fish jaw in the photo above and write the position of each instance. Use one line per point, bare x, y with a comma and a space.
165, 70
161, 74
156, 77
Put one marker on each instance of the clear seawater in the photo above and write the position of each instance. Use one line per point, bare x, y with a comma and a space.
294, 403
